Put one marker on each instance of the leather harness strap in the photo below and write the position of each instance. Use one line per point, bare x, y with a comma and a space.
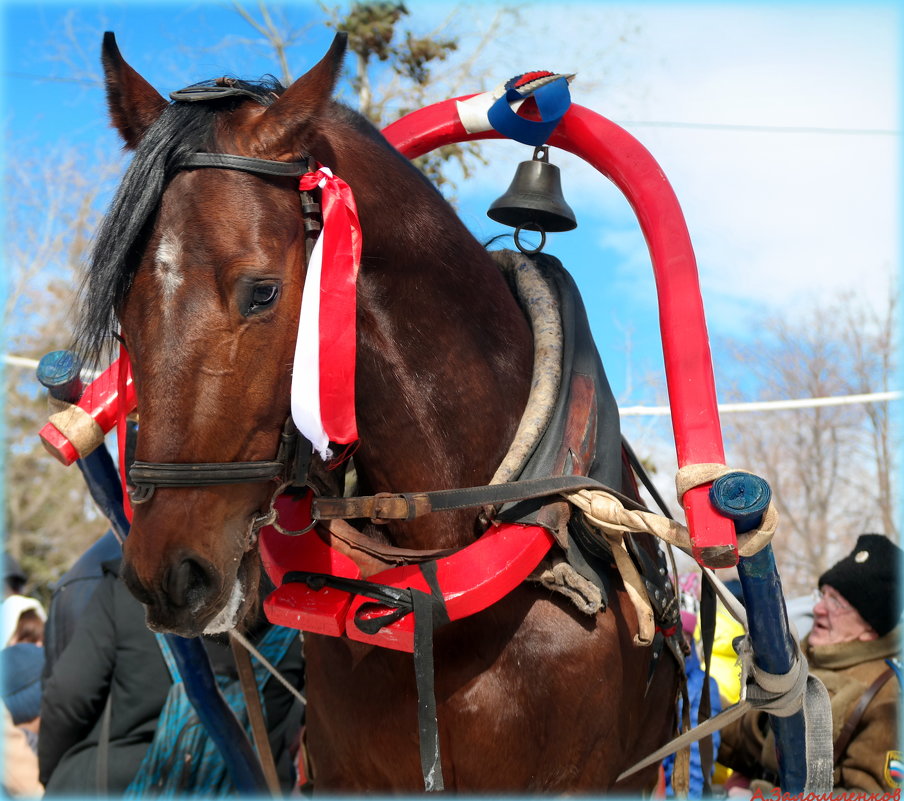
387, 554
227, 161
847, 731
255, 715
409, 505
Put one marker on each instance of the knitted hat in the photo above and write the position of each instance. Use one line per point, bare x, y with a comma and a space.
869, 580
22, 665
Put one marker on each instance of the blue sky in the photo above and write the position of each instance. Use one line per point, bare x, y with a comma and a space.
777, 125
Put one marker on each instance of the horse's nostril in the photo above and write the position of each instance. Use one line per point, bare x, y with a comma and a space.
186, 583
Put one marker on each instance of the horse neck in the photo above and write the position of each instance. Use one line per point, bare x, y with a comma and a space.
444, 351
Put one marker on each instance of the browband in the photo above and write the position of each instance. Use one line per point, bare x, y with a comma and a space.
244, 163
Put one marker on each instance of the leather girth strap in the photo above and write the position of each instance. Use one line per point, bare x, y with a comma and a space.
847, 731
429, 611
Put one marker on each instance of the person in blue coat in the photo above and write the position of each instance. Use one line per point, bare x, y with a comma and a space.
695, 676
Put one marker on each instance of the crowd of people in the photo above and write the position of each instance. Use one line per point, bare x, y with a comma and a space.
93, 703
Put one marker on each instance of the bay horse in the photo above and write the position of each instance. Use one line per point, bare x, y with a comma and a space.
199, 272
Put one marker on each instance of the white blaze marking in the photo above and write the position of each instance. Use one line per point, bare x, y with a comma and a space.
167, 260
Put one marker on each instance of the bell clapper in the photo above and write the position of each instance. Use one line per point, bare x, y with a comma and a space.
529, 226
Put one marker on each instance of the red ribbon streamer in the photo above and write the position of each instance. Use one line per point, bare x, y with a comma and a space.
341, 258
125, 371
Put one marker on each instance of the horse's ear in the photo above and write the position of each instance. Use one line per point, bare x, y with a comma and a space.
134, 104
305, 98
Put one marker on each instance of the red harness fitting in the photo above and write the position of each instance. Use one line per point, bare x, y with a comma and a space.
471, 579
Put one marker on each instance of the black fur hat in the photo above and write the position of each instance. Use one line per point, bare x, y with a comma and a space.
869, 580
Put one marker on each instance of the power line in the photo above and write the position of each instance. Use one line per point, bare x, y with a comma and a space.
789, 129
657, 411
53, 79
768, 406
704, 126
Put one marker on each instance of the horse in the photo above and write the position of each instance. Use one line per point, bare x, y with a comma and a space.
198, 270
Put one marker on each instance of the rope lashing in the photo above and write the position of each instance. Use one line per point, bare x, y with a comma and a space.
606, 513
778, 695
750, 542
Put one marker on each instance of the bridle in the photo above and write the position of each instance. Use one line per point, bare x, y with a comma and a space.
292, 461
294, 452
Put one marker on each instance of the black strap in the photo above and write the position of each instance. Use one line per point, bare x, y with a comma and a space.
847, 730
207, 91
429, 610
645, 479
704, 710
429, 613
145, 477
495, 494
163, 474
244, 163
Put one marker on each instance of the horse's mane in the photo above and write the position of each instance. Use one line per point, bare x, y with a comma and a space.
182, 128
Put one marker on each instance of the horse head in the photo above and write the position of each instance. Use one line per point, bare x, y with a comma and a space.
203, 270
214, 281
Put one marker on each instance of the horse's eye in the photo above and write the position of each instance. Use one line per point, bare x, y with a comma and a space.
261, 296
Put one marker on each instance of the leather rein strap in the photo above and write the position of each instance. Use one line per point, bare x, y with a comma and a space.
409, 505
255, 715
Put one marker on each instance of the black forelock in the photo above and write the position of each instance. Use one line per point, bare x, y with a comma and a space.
182, 128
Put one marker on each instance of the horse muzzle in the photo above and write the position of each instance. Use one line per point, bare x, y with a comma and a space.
190, 597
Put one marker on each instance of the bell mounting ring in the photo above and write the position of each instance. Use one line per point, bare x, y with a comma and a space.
529, 226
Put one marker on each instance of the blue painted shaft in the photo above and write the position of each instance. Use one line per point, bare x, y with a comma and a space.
774, 651
105, 487
216, 715
744, 498
59, 373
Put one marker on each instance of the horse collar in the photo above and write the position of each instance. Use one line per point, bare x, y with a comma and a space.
467, 581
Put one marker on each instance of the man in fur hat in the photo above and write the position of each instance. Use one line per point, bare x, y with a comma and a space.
853, 648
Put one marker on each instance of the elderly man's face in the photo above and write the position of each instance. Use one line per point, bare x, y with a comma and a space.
836, 621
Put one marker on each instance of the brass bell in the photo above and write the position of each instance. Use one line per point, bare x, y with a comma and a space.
535, 196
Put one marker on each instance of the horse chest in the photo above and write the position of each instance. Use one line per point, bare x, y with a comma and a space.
529, 696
